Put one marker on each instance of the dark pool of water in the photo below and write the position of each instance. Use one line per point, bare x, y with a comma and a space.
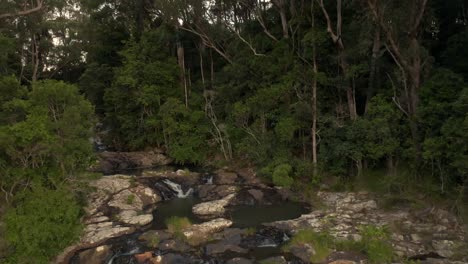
245, 216
180, 207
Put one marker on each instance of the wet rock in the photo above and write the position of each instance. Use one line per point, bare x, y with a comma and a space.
110, 162
96, 255
256, 194
303, 252
203, 230
225, 177
230, 235
143, 257
174, 245
239, 261
152, 237
214, 192
212, 208
222, 247
274, 260
175, 259
248, 176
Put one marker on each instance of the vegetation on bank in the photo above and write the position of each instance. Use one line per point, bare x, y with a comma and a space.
176, 225
306, 91
374, 244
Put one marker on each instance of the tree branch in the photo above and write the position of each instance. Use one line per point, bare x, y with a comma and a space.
418, 20
39, 6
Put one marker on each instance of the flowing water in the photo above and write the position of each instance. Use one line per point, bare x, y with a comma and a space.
179, 201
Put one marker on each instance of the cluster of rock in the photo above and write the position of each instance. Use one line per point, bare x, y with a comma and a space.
120, 205
115, 208
413, 233
111, 162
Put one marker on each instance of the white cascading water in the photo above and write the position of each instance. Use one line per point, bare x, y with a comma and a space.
209, 180
178, 189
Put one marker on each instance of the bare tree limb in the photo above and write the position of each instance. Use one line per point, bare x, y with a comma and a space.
418, 20
207, 42
38, 7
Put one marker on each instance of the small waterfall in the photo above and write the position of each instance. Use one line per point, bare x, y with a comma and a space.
209, 180
267, 243
285, 237
178, 189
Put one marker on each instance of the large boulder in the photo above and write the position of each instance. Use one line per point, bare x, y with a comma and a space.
225, 177
200, 232
111, 162
97, 233
212, 208
214, 192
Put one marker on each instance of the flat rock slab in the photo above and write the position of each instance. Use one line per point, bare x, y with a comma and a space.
207, 228
212, 208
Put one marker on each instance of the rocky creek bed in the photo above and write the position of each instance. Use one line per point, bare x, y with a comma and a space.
237, 219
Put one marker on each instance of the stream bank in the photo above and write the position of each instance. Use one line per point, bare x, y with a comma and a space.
237, 219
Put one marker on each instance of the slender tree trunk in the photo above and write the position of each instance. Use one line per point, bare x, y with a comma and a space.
374, 67
181, 60
350, 98
284, 20
390, 165
35, 58
314, 99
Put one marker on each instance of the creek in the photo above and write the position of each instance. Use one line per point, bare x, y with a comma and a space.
256, 241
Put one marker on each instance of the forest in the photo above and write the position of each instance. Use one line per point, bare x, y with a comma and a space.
361, 92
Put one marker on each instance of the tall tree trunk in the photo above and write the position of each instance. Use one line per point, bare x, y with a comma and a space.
335, 35
374, 67
281, 5
410, 62
314, 98
181, 60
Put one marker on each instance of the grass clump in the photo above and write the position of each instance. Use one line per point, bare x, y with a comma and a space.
176, 225
130, 199
321, 242
153, 241
374, 244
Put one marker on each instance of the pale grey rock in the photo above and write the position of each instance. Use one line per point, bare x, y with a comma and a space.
207, 228
212, 208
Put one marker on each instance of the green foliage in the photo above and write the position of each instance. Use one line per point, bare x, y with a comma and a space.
321, 242
443, 111
43, 223
149, 77
281, 175
376, 244
185, 131
47, 135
